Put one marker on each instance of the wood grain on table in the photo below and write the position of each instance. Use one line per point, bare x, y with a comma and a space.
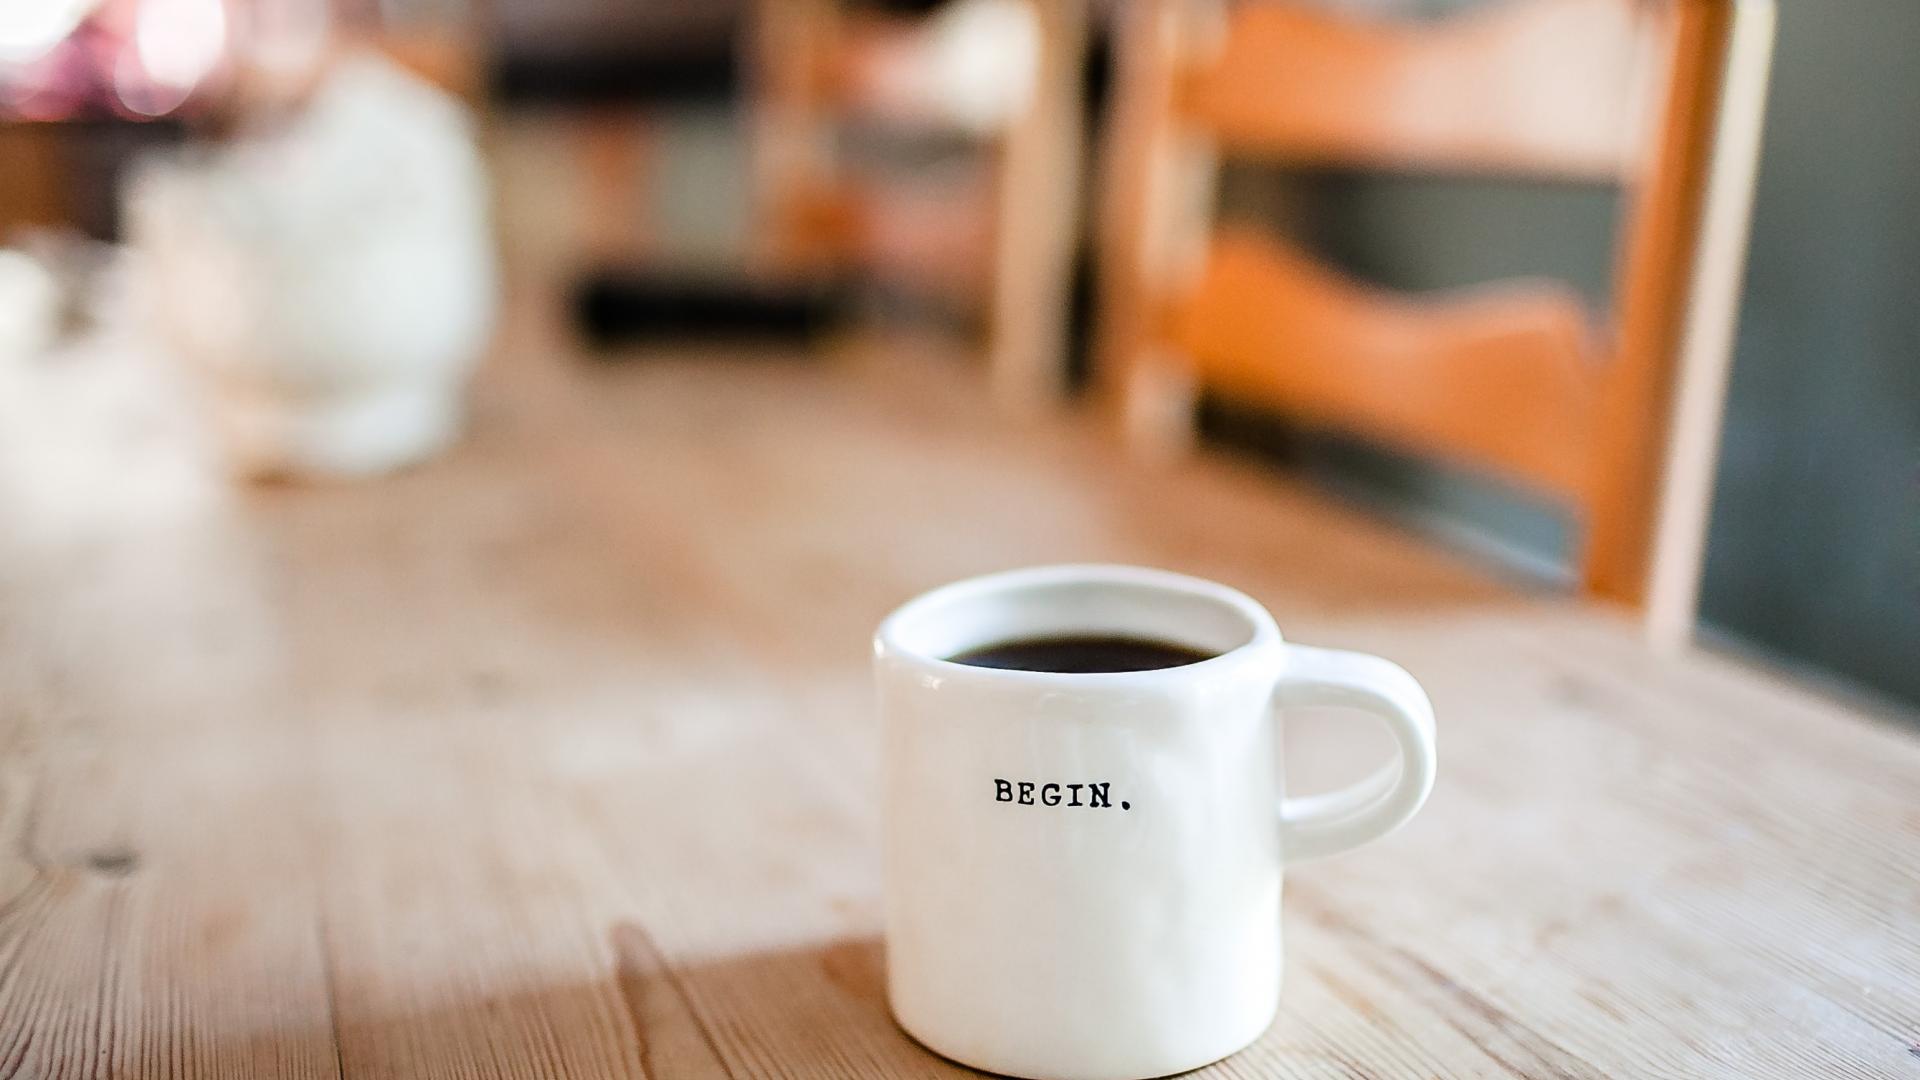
555, 757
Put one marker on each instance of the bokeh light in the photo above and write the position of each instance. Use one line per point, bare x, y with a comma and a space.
180, 41
29, 28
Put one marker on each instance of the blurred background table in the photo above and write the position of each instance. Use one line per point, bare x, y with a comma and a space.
555, 757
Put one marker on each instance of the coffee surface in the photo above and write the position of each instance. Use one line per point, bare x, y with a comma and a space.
1083, 654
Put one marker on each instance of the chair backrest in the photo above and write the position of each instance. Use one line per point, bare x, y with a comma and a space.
1661, 97
1007, 244
34, 186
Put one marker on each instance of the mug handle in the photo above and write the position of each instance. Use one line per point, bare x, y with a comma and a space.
1327, 824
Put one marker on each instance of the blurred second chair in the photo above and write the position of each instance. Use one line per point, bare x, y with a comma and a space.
1005, 74
1615, 417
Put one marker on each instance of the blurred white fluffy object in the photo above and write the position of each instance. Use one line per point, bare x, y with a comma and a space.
30, 300
334, 278
985, 57
972, 64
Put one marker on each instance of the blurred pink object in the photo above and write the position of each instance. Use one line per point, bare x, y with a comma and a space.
334, 279
127, 59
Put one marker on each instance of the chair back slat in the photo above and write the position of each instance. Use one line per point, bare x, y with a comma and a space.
1503, 376
1533, 88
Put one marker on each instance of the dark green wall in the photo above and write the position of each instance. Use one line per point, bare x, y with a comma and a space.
1814, 551
1815, 545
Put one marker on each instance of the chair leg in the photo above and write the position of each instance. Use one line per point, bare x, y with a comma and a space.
1706, 339
1158, 396
614, 150
1039, 221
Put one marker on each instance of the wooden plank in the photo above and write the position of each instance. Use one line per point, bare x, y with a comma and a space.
166, 924
1519, 87
1503, 377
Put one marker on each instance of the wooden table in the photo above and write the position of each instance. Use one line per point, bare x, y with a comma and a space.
556, 757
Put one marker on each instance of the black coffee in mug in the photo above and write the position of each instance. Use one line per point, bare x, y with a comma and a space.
1083, 654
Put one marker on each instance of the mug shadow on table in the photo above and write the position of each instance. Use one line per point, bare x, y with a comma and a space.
816, 1010
821, 1007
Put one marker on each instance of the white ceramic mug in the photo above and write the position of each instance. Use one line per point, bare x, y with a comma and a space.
1083, 870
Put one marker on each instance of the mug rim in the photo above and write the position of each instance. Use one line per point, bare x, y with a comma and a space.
1263, 634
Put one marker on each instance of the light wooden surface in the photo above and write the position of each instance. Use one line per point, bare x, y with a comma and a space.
1522, 379
556, 758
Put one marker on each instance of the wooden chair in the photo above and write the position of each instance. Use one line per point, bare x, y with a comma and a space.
816, 67
1617, 419
34, 184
